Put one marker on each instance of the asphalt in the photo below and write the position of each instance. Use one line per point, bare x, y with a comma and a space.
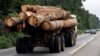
91, 49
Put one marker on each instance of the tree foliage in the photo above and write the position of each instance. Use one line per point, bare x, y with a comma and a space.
93, 21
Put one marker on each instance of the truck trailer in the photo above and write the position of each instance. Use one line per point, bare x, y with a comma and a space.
44, 26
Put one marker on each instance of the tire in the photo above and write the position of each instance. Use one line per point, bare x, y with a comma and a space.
66, 39
75, 38
71, 39
51, 45
19, 48
57, 44
23, 46
62, 43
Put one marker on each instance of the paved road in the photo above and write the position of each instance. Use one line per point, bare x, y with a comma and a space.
92, 49
41, 51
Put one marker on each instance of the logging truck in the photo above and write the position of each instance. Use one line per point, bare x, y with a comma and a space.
46, 26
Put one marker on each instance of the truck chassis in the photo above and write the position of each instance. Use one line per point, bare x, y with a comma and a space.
55, 40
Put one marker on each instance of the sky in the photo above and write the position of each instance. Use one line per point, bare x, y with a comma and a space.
93, 6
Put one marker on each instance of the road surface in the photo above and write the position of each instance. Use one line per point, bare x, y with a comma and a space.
85, 44
92, 49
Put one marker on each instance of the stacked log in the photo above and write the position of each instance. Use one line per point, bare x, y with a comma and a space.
46, 17
35, 8
11, 21
52, 25
25, 15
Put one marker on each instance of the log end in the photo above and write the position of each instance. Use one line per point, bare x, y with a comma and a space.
22, 16
45, 25
8, 21
33, 21
24, 8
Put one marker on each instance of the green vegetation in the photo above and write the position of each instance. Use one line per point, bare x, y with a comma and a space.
5, 42
11, 7
80, 31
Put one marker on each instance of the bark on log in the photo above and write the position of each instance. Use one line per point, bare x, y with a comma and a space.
11, 21
55, 13
25, 8
52, 25
44, 9
70, 23
34, 8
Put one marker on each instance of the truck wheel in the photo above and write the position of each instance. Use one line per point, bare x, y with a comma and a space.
51, 45
71, 39
23, 46
19, 46
75, 37
66, 39
62, 43
57, 44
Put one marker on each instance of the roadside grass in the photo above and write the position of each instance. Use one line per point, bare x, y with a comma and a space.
8, 39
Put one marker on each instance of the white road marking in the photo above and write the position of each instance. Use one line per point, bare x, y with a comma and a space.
84, 44
72, 52
92, 38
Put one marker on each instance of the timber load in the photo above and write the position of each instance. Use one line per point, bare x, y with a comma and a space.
45, 17
52, 25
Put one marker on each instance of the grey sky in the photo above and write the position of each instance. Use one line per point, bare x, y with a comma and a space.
93, 6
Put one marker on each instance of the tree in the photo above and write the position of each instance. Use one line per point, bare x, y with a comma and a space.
93, 21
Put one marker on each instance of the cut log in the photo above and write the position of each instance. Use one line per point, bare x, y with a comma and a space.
33, 21
18, 27
11, 21
70, 23
46, 9
25, 8
37, 19
34, 8
52, 25
55, 13
25, 15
